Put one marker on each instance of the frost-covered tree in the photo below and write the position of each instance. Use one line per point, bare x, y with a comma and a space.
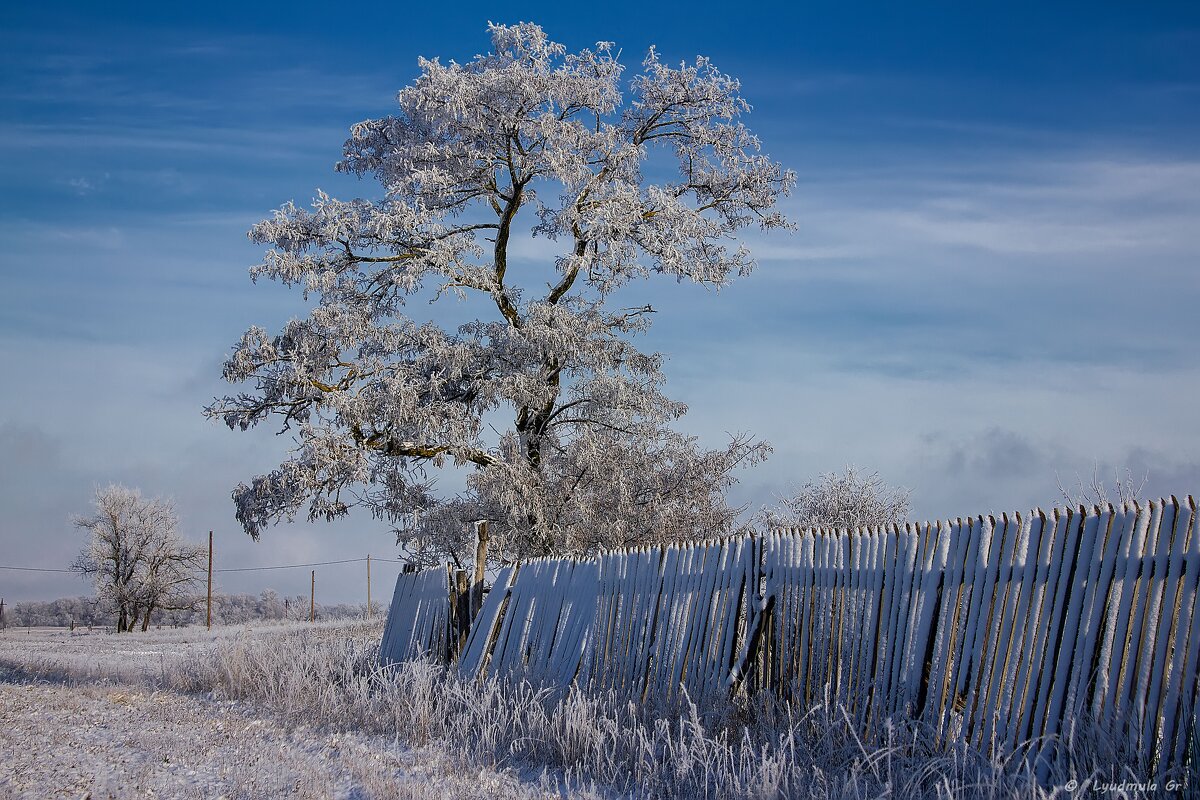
136, 557
845, 500
170, 577
622, 181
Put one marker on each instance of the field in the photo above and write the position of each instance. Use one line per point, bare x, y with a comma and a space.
128, 716
302, 711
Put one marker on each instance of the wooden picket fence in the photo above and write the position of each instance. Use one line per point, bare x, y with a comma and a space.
1001, 632
419, 618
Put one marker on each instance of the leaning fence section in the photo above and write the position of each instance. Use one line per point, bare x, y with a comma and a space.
668, 618
1000, 631
419, 618
476, 654
546, 625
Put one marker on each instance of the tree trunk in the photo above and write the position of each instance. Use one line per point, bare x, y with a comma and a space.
146, 621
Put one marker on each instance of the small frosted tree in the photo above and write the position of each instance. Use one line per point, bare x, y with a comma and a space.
846, 500
135, 556
526, 140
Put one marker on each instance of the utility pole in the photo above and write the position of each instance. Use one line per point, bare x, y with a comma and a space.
368, 585
312, 599
208, 613
3, 625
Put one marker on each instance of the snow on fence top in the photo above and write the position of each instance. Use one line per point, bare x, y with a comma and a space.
994, 630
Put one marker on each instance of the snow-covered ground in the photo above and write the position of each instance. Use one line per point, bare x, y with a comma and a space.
114, 741
150, 657
87, 714
304, 710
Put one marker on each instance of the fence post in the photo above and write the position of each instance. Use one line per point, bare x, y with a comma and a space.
368, 585
481, 543
312, 598
208, 606
462, 608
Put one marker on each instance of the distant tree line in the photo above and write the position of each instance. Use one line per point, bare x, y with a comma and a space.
141, 567
228, 609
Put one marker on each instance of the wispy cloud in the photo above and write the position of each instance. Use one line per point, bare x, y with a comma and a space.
82, 186
260, 144
1038, 207
102, 238
173, 73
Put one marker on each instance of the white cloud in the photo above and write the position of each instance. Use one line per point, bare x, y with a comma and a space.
1039, 207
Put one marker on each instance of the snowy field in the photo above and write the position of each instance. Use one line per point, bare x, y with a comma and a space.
112, 741
100, 715
303, 710
150, 658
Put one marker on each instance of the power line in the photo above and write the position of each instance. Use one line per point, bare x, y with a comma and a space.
35, 569
234, 569
291, 566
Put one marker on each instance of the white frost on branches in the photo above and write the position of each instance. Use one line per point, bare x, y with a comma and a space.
848, 500
526, 139
135, 556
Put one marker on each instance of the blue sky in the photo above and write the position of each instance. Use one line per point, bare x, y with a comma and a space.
993, 281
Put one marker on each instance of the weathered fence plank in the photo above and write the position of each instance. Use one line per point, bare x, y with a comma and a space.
1016, 612
1136, 653
1182, 670
1117, 707
1112, 641
1037, 574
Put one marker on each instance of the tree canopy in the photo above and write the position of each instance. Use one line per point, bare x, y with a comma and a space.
623, 181
136, 557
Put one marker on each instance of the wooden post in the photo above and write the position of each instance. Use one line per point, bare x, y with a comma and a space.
481, 543
451, 648
3, 624
208, 612
368, 585
462, 608
312, 598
